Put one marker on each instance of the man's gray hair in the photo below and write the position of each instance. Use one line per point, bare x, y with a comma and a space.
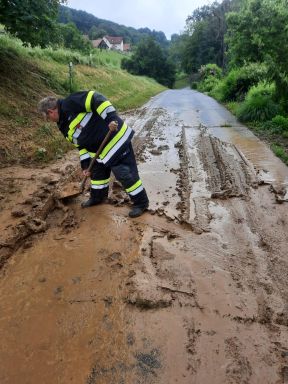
49, 102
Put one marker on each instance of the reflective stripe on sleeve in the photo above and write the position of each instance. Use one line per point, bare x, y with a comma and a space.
84, 154
103, 106
107, 110
88, 101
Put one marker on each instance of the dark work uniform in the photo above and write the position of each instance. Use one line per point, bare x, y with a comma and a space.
83, 120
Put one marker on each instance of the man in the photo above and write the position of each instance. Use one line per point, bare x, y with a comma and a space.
84, 118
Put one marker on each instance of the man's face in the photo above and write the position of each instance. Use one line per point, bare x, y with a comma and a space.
53, 115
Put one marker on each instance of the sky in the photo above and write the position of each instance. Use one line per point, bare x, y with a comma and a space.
168, 16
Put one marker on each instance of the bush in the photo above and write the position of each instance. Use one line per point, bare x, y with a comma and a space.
210, 70
208, 84
279, 125
237, 83
259, 104
281, 122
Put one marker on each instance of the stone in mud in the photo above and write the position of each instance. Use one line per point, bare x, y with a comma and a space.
35, 225
58, 290
163, 147
18, 213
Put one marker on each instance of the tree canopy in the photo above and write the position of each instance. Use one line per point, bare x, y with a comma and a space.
204, 39
32, 21
259, 33
151, 60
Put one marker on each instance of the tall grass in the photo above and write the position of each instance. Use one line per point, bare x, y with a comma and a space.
95, 58
259, 104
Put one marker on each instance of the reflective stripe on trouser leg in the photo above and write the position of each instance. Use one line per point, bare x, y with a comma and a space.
138, 194
125, 171
100, 177
100, 184
135, 188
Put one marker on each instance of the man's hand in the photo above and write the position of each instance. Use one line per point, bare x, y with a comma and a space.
86, 173
113, 126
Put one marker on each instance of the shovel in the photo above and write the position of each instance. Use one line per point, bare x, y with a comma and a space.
73, 189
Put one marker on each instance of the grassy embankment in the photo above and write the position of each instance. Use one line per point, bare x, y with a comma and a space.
27, 75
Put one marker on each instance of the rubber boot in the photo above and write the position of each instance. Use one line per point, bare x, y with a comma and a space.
141, 203
88, 203
138, 210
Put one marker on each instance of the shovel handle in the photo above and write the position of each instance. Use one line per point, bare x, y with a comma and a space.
102, 145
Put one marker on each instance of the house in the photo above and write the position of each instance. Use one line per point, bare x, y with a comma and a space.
114, 42
111, 43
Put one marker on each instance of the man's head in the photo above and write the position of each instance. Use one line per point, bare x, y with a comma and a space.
49, 108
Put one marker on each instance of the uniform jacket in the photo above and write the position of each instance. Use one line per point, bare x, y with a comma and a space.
83, 120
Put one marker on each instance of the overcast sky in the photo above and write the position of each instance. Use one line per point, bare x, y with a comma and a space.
162, 15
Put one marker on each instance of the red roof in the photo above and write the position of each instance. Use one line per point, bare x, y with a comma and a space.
114, 39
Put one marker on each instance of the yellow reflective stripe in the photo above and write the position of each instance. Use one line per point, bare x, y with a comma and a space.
135, 186
92, 154
74, 123
102, 106
83, 151
111, 143
100, 182
88, 101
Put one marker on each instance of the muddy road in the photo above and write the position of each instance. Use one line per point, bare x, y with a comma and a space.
193, 291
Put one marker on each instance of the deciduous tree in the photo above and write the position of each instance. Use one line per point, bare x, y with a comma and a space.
32, 21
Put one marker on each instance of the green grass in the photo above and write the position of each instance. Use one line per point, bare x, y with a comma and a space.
280, 152
104, 58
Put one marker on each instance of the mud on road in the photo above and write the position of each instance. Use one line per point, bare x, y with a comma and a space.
193, 291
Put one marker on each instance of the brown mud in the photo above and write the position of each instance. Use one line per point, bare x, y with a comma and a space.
193, 291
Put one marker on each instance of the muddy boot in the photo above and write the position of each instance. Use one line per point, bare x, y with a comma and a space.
138, 210
88, 203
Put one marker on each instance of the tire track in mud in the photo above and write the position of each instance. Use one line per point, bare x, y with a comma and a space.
199, 293
216, 181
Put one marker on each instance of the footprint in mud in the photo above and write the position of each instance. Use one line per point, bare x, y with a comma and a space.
147, 363
156, 152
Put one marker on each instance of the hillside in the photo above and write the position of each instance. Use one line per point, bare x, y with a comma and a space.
85, 21
28, 74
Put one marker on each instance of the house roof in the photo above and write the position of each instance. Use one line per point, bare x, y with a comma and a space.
114, 39
96, 42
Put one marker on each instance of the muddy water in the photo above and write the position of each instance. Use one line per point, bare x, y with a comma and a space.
195, 109
193, 291
62, 301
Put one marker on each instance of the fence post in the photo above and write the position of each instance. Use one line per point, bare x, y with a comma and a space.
70, 75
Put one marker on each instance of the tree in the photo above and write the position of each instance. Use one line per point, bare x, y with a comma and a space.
72, 38
204, 38
32, 21
149, 59
259, 33
96, 33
